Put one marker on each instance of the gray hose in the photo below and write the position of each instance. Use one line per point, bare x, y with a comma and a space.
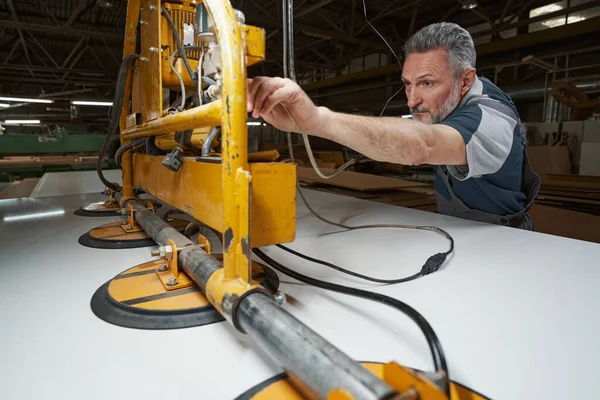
206, 145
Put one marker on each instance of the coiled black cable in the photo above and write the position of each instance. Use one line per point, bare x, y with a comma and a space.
115, 118
439, 359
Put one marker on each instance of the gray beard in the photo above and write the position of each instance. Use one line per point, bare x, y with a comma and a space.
445, 110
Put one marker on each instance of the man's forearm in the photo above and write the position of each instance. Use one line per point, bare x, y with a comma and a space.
387, 139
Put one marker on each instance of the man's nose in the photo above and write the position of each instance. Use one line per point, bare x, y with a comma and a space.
414, 99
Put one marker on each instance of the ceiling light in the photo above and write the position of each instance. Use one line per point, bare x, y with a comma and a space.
92, 103
469, 4
22, 121
253, 123
4, 105
316, 35
536, 12
26, 100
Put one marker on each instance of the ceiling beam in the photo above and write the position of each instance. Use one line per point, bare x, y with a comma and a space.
6, 78
20, 67
312, 8
11, 6
60, 29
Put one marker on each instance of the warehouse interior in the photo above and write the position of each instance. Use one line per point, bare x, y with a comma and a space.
119, 203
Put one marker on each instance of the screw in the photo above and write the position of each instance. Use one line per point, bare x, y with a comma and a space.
163, 268
153, 49
152, 7
279, 298
129, 227
143, 59
172, 282
123, 211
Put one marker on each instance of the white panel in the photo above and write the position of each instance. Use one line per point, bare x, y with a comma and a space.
514, 310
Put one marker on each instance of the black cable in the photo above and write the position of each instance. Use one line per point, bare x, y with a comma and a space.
439, 359
115, 117
128, 146
165, 14
355, 274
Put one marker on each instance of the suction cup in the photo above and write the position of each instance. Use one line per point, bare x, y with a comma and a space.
99, 209
280, 387
112, 236
102, 209
136, 298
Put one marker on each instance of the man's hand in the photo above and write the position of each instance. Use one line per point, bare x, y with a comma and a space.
283, 104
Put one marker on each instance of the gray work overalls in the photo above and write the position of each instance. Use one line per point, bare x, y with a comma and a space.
530, 184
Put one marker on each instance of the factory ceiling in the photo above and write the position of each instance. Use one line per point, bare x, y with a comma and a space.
71, 49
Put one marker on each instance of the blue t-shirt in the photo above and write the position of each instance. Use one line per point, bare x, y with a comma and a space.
491, 181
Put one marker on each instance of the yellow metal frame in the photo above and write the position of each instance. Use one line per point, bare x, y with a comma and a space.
251, 204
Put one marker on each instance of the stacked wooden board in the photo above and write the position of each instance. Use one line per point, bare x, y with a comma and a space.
382, 189
571, 192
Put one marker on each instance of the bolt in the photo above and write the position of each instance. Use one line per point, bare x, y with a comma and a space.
143, 59
129, 227
172, 282
123, 211
153, 49
279, 298
142, 22
163, 268
152, 7
123, 222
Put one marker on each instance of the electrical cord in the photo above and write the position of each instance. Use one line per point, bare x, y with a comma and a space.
128, 146
439, 359
113, 127
181, 83
348, 272
180, 46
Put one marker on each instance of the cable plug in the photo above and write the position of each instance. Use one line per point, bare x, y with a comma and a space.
173, 159
433, 263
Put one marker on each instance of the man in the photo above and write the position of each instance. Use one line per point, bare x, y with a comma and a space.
462, 124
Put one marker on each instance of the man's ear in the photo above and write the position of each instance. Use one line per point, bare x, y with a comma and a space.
467, 80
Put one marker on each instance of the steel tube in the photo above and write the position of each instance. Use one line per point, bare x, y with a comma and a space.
300, 351
303, 353
197, 117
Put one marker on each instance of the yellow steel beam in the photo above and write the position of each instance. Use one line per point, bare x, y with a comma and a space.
197, 189
133, 9
234, 137
198, 117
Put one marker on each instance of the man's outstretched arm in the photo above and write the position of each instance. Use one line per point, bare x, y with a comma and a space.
283, 104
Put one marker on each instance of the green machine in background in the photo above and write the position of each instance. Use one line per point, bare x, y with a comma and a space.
26, 155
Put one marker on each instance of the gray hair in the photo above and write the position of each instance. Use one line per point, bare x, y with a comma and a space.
457, 42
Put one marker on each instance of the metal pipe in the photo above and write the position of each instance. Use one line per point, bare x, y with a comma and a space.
296, 348
197, 117
207, 142
281, 336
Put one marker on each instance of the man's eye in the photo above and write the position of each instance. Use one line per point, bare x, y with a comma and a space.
427, 83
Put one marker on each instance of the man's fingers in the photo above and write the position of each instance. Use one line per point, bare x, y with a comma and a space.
266, 89
253, 87
275, 98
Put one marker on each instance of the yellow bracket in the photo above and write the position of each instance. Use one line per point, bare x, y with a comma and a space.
168, 273
131, 226
111, 203
204, 243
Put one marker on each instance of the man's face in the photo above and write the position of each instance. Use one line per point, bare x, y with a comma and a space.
432, 91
